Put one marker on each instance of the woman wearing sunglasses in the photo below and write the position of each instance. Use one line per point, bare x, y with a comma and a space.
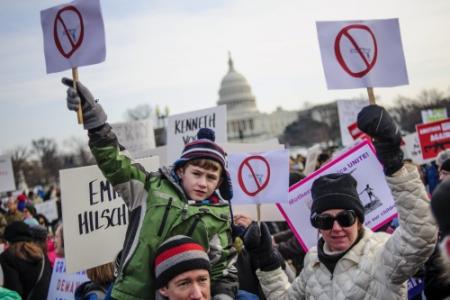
350, 261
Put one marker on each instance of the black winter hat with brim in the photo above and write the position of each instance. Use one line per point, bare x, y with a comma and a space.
440, 206
336, 191
18, 231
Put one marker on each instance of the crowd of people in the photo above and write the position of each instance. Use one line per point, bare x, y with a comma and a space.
184, 242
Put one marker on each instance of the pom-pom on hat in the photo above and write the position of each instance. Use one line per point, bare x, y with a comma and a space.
177, 255
205, 147
334, 191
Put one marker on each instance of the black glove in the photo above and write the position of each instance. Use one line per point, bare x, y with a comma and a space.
376, 122
93, 114
258, 244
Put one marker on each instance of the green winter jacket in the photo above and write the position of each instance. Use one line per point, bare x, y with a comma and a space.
158, 209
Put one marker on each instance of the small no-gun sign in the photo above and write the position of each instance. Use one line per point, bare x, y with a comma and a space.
359, 54
259, 177
74, 35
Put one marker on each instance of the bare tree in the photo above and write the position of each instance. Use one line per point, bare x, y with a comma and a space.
140, 112
47, 151
19, 157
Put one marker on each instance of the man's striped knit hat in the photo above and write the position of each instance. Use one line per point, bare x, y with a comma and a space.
177, 255
205, 147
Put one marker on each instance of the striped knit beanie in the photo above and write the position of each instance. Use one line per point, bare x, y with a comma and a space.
177, 255
205, 147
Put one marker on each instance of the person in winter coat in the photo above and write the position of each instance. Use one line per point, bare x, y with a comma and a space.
350, 261
25, 268
179, 200
101, 278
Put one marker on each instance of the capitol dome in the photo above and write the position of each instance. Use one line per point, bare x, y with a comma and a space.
235, 92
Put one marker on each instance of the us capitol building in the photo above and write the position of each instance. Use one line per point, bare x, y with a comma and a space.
246, 123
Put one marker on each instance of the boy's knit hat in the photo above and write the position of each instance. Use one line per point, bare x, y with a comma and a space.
177, 255
205, 147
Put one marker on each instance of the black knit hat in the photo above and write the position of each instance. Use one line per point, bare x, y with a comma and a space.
177, 255
18, 231
445, 165
336, 191
205, 147
440, 206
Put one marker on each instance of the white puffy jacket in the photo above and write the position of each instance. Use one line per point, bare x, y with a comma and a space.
378, 266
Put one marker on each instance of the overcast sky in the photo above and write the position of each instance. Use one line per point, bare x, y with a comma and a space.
174, 53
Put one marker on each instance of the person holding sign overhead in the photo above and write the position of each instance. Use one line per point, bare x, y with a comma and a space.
350, 261
179, 200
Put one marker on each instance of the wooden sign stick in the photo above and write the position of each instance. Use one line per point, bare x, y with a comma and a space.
75, 79
371, 96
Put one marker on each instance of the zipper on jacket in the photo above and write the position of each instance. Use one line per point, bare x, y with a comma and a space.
164, 219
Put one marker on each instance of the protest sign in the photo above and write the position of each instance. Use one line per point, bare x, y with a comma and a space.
74, 35
375, 195
348, 112
434, 137
259, 177
365, 53
435, 114
7, 182
183, 128
63, 284
94, 216
312, 154
412, 149
48, 209
135, 136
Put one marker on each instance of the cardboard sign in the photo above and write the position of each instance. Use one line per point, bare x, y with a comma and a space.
412, 149
434, 137
372, 188
135, 136
183, 128
94, 216
362, 53
259, 177
48, 209
348, 112
63, 284
7, 182
74, 35
435, 114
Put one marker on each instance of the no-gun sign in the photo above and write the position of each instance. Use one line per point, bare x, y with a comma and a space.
259, 177
74, 35
362, 53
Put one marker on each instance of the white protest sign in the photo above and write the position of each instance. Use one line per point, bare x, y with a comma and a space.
7, 182
365, 53
435, 114
183, 128
63, 284
48, 209
259, 177
348, 112
135, 136
74, 35
94, 216
160, 151
312, 154
412, 149
373, 190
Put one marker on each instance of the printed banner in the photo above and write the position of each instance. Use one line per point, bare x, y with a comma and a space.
63, 284
259, 177
183, 128
94, 216
7, 182
348, 112
135, 136
435, 114
434, 137
372, 188
48, 209
74, 35
359, 54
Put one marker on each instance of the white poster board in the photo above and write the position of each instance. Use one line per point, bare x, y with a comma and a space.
374, 192
7, 182
435, 114
63, 284
348, 112
48, 209
94, 216
135, 136
259, 177
74, 35
412, 149
361, 53
183, 128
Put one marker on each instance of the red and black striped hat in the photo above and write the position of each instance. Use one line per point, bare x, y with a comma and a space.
177, 255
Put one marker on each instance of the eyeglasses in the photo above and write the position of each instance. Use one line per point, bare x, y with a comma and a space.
345, 218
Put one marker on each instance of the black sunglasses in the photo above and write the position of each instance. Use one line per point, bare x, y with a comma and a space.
345, 218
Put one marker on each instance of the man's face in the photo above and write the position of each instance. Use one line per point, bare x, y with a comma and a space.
443, 175
199, 183
193, 284
12, 206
